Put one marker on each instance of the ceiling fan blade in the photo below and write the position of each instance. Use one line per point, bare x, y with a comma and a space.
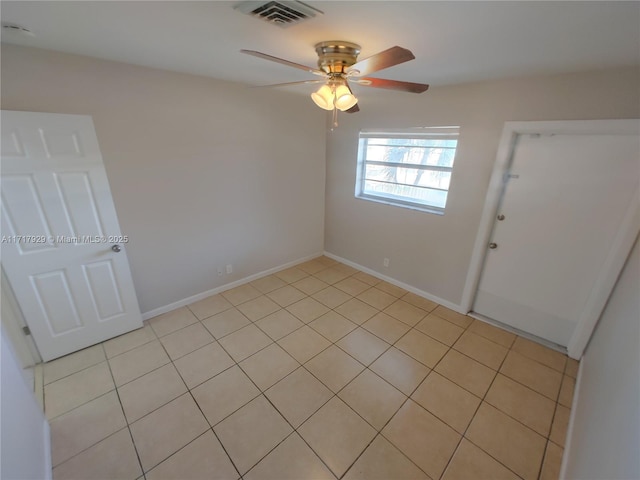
304, 82
353, 109
393, 84
379, 61
264, 56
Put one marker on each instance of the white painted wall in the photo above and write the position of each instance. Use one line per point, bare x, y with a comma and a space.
605, 440
24, 440
431, 252
203, 173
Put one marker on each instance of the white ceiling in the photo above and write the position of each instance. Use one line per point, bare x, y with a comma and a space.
454, 42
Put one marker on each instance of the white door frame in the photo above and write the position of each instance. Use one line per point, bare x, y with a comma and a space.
622, 244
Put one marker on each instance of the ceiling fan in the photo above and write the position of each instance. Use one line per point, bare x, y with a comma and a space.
338, 65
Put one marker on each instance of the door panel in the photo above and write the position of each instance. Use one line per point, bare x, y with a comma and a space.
563, 204
59, 224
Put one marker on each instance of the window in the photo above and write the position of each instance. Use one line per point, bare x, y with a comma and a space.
408, 168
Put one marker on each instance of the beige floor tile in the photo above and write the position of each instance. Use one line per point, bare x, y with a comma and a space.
171, 321
312, 266
113, 457
440, 329
200, 459
449, 402
382, 461
337, 435
422, 347
76, 389
540, 353
241, 294
310, 285
332, 326
334, 368
298, 396
291, 275
560, 425
69, 432
331, 275
522, 403
151, 391
366, 278
479, 348
129, 341
357, 311
329, 262
352, 286
426, 440
225, 393
507, 440
331, 297
137, 362
210, 306
376, 298
532, 374
374, 399
363, 346
184, 341
285, 296
203, 364
572, 368
552, 462
466, 372
245, 342
458, 318
268, 284
420, 302
224, 323
279, 324
493, 333
470, 462
391, 289
345, 268
291, 460
566, 391
252, 432
268, 366
386, 327
166, 430
405, 312
304, 343
308, 309
258, 308
400, 370
72, 363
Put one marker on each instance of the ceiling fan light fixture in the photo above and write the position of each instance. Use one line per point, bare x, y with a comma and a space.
323, 97
344, 98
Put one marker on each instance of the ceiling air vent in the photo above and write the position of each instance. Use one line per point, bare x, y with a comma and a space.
283, 13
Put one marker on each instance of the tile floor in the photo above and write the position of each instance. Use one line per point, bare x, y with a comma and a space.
316, 372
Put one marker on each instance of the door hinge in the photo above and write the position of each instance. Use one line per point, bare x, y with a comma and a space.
26, 330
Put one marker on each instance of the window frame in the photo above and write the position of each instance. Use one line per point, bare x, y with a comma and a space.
444, 132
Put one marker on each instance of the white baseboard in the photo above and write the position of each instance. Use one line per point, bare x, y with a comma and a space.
572, 417
200, 296
397, 283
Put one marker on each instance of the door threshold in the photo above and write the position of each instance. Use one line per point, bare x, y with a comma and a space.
542, 341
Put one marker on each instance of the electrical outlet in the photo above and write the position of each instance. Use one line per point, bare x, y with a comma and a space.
229, 268
385, 262
219, 271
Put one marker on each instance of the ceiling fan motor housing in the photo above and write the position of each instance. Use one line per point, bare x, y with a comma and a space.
336, 56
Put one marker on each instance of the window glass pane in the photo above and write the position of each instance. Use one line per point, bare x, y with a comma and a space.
409, 176
427, 196
414, 151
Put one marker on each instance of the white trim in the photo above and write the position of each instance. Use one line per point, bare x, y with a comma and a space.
625, 238
397, 283
572, 419
200, 296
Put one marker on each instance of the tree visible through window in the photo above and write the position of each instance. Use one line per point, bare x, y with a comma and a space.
409, 168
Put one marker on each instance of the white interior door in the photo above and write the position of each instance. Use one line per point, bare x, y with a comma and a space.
563, 203
62, 249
